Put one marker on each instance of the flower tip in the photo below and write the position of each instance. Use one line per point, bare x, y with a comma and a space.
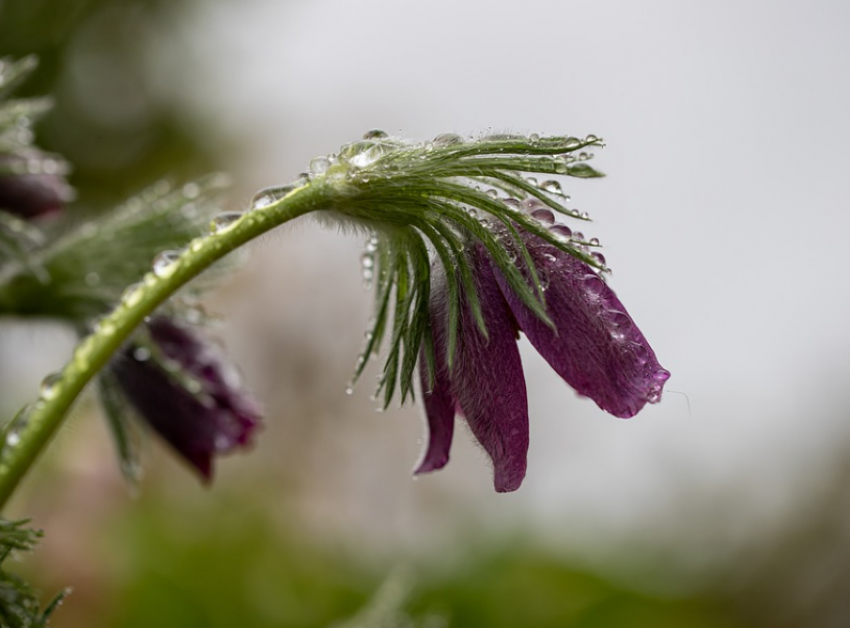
508, 477
431, 463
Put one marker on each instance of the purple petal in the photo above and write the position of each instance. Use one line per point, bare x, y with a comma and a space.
439, 409
216, 418
596, 346
487, 378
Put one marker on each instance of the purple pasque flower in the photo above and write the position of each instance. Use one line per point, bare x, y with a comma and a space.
183, 388
32, 184
592, 343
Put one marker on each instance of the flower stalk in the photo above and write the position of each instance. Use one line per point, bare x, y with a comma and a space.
425, 206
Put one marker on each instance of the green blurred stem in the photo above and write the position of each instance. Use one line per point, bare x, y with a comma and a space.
94, 351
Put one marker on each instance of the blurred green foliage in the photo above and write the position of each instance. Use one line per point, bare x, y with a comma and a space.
108, 120
223, 562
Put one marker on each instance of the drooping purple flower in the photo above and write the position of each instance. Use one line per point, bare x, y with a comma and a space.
187, 393
38, 191
594, 345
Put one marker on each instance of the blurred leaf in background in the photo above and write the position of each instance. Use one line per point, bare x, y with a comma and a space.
108, 120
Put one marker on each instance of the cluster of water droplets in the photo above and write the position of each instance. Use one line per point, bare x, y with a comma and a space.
367, 261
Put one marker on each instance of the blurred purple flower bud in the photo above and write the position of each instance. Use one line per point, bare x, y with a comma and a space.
190, 396
32, 184
595, 346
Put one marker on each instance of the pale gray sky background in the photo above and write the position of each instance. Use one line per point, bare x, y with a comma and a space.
724, 216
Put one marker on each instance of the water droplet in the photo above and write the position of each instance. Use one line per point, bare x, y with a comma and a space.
448, 139
92, 279
593, 285
619, 321
534, 137
372, 244
598, 257
563, 232
50, 386
552, 186
191, 190
583, 156
585, 216
531, 181
165, 262
361, 154
594, 242
132, 295
641, 352
653, 395
375, 134
319, 165
512, 203
225, 221
545, 216
591, 138
141, 354
429, 147
531, 204
367, 261
267, 196
349, 390
578, 236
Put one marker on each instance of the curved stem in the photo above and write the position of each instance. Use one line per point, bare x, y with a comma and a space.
28, 434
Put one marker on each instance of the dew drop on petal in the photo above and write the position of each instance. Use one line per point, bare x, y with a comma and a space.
594, 242
225, 221
641, 352
593, 285
562, 231
544, 216
598, 257
530, 204
578, 236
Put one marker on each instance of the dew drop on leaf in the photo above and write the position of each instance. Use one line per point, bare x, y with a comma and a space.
375, 134
320, 165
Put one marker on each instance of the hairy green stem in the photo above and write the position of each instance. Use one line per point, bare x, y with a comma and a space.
28, 434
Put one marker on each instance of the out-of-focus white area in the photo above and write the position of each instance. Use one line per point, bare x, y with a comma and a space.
724, 216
